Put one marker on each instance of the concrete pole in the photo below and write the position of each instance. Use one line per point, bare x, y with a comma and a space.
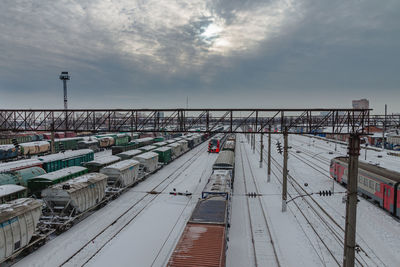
269, 154
261, 149
351, 203
254, 143
285, 159
384, 129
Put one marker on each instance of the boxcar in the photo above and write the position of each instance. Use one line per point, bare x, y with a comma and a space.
225, 161
37, 184
19, 165
229, 145
18, 220
164, 154
200, 245
97, 164
144, 141
148, 161
59, 161
159, 144
76, 195
10, 192
129, 154
211, 210
159, 139
92, 144
122, 174
34, 148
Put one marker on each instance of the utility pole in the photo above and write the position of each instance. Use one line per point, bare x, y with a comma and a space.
269, 154
351, 203
285, 159
384, 129
261, 149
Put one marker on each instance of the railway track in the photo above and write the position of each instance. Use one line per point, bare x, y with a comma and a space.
310, 208
85, 253
264, 247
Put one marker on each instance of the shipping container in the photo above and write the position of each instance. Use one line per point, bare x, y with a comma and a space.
201, 245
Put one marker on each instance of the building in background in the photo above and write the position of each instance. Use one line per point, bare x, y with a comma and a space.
360, 104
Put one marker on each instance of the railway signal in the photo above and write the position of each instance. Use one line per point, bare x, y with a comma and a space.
279, 147
325, 193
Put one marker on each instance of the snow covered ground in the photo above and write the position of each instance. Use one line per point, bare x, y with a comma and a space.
143, 236
305, 235
146, 228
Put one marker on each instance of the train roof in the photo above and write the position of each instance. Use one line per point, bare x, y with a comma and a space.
8, 189
378, 170
67, 154
225, 159
79, 182
122, 165
60, 173
132, 152
37, 143
17, 207
147, 155
104, 160
162, 149
10, 166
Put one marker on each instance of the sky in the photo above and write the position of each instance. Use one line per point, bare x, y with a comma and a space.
220, 53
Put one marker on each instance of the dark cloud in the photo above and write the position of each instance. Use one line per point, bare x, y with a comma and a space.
219, 53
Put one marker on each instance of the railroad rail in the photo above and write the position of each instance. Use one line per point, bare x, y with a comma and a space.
131, 213
264, 247
301, 121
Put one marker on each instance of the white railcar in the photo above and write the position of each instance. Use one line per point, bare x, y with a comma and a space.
184, 146
148, 161
18, 220
76, 195
176, 149
33, 148
123, 173
218, 184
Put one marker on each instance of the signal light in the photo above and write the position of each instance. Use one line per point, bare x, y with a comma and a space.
325, 193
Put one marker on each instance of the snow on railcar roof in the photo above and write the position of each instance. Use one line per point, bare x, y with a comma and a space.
17, 207
162, 149
80, 182
9, 166
9, 189
132, 152
123, 164
104, 160
147, 155
36, 143
7, 146
61, 173
67, 154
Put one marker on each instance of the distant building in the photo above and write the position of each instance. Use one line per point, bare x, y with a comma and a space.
360, 104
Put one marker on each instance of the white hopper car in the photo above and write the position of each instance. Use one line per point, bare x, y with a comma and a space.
18, 220
184, 146
148, 161
218, 184
76, 195
176, 149
122, 174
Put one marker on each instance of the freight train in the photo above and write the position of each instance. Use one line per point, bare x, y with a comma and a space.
204, 239
374, 182
69, 192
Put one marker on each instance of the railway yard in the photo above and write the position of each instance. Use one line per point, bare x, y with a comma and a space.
171, 202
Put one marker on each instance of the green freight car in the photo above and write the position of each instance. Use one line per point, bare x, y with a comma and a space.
66, 143
164, 154
119, 149
159, 139
20, 177
59, 161
37, 184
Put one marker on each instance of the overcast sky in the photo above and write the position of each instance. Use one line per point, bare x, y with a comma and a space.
226, 53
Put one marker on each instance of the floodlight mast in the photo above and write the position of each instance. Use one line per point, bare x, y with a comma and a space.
65, 77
